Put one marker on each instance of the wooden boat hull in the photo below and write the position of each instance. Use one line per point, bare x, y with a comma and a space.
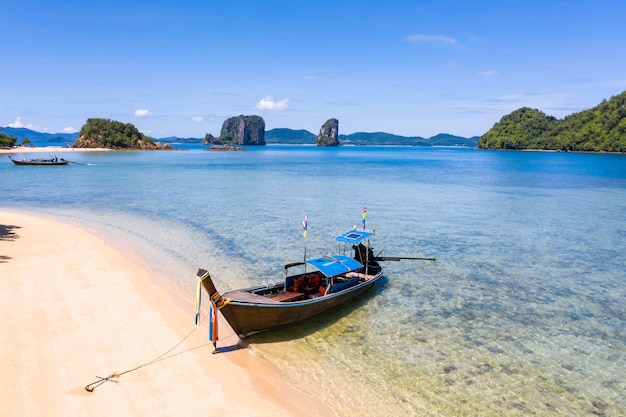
335, 279
41, 162
260, 313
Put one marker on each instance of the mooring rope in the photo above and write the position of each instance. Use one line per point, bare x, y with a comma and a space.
101, 380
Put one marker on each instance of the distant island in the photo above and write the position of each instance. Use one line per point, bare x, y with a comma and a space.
599, 129
250, 131
12, 136
111, 134
329, 134
273, 136
304, 137
95, 133
239, 130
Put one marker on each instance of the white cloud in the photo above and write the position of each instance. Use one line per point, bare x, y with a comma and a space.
488, 73
268, 103
143, 113
18, 123
197, 119
437, 39
69, 129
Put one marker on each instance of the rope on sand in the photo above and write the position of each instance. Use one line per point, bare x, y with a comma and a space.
114, 376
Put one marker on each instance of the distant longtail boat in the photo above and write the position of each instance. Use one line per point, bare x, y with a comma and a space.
39, 161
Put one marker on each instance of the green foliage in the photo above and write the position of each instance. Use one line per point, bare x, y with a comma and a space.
517, 130
290, 136
112, 134
283, 135
39, 137
445, 139
602, 128
7, 141
382, 138
326, 141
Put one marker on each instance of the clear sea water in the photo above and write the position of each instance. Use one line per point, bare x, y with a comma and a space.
524, 312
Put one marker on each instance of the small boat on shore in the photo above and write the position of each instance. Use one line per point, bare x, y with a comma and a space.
40, 161
330, 281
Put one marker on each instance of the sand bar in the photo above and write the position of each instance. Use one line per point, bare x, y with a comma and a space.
48, 149
74, 308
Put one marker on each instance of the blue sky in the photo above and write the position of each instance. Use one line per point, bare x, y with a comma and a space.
413, 68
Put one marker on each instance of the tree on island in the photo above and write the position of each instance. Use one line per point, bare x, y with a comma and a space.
599, 129
111, 134
7, 141
517, 130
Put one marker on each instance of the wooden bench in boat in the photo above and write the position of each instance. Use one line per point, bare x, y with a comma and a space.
288, 296
249, 297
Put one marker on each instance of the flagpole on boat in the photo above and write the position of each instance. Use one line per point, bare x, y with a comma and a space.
367, 251
364, 216
367, 254
305, 226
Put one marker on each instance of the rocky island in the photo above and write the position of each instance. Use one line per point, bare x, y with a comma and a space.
250, 130
239, 130
111, 134
329, 134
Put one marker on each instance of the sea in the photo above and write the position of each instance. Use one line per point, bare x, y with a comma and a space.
523, 312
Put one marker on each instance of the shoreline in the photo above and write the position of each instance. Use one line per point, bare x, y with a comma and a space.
28, 149
74, 307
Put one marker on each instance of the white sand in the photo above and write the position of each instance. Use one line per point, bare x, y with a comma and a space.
48, 149
73, 307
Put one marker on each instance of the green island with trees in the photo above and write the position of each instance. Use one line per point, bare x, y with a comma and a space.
599, 129
111, 134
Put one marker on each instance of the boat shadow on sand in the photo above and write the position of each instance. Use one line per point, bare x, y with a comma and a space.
316, 323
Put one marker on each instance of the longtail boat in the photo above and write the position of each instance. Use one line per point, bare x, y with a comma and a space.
329, 281
39, 161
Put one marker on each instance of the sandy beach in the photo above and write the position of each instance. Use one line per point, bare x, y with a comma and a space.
48, 149
75, 308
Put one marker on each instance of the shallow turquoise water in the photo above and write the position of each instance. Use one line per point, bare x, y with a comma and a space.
523, 313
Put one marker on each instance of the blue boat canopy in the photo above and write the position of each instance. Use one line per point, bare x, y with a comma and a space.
354, 236
333, 265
